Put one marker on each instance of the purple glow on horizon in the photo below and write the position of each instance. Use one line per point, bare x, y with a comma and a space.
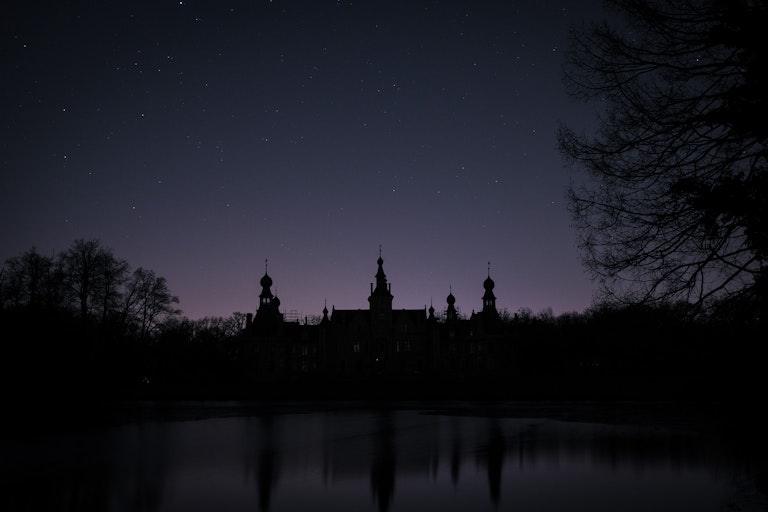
198, 140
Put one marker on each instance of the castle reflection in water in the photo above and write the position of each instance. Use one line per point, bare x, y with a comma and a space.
434, 460
273, 456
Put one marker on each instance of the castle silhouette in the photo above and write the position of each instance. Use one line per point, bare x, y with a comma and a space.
378, 341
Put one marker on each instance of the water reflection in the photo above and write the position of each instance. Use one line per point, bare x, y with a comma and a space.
383, 461
266, 467
393, 459
493, 458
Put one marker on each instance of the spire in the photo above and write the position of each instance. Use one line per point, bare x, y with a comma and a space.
325, 319
450, 312
489, 299
269, 304
265, 297
381, 278
380, 300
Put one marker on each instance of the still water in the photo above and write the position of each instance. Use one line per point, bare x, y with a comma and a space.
402, 457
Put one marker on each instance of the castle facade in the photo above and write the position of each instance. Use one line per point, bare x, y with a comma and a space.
377, 341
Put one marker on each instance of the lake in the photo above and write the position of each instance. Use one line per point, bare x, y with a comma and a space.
403, 456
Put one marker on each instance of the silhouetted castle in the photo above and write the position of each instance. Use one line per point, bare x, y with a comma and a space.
378, 341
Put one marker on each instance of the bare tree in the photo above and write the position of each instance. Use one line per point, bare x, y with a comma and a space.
108, 290
31, 279
83, 266
674, 207
147, 301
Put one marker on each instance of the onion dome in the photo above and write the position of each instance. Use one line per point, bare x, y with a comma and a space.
488, 284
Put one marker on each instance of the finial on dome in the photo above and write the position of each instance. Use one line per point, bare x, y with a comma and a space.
451, 300
488, 284
266, 281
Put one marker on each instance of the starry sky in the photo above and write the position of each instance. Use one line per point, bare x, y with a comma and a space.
199, 139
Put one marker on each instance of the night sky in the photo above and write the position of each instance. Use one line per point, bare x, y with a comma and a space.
199, 139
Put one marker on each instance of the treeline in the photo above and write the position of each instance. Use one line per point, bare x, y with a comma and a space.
639, 351
89, 283
78, 323
608, 352
82, 324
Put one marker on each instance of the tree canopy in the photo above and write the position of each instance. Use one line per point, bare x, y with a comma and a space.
89, 281
673, 206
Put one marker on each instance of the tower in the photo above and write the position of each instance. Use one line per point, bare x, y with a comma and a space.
450, 313
380, 306
489, 299
380, 300
269, 304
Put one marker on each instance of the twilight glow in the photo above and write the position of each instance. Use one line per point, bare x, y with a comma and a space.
199, 139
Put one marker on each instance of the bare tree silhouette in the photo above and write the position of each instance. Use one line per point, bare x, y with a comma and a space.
674, 206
